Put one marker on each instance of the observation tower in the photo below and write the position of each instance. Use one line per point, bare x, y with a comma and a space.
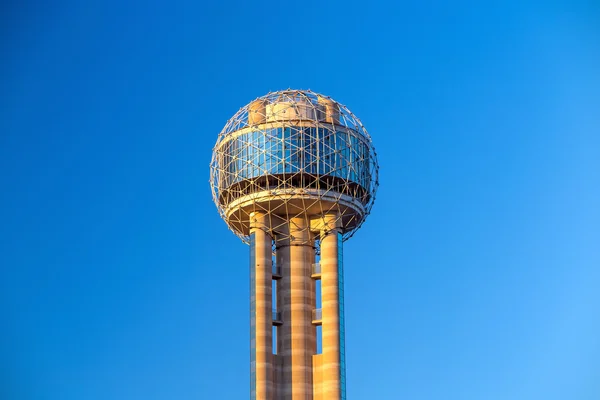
294, 174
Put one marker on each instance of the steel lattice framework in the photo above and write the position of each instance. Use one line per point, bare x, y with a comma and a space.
293, 154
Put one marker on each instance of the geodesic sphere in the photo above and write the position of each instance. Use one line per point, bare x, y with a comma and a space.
293, 154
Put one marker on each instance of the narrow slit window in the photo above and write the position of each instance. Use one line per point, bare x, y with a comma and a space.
319, 339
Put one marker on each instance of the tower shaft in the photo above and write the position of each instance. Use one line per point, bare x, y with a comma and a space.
291, 369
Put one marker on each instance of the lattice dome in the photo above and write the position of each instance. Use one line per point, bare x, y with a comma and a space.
293, 154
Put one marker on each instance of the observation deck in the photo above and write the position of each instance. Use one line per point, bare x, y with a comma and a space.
294, 153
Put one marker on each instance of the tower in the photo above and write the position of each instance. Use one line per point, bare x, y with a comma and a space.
294, 174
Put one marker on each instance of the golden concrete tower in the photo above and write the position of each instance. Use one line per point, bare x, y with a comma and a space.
294, 174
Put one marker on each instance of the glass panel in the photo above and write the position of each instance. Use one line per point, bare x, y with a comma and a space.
317, 151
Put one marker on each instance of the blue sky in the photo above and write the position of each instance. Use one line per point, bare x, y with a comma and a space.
475, 278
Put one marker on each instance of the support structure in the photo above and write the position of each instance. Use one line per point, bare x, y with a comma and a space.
287, 366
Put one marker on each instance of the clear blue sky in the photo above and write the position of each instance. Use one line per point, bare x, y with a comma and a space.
477, 276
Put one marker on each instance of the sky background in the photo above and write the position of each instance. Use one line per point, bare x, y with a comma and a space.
476, 277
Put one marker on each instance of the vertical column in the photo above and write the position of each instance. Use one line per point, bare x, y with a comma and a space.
261, 300
330, 372
302, 340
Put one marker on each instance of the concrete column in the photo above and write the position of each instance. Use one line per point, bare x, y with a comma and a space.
263, 307
298, 301
330, 369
